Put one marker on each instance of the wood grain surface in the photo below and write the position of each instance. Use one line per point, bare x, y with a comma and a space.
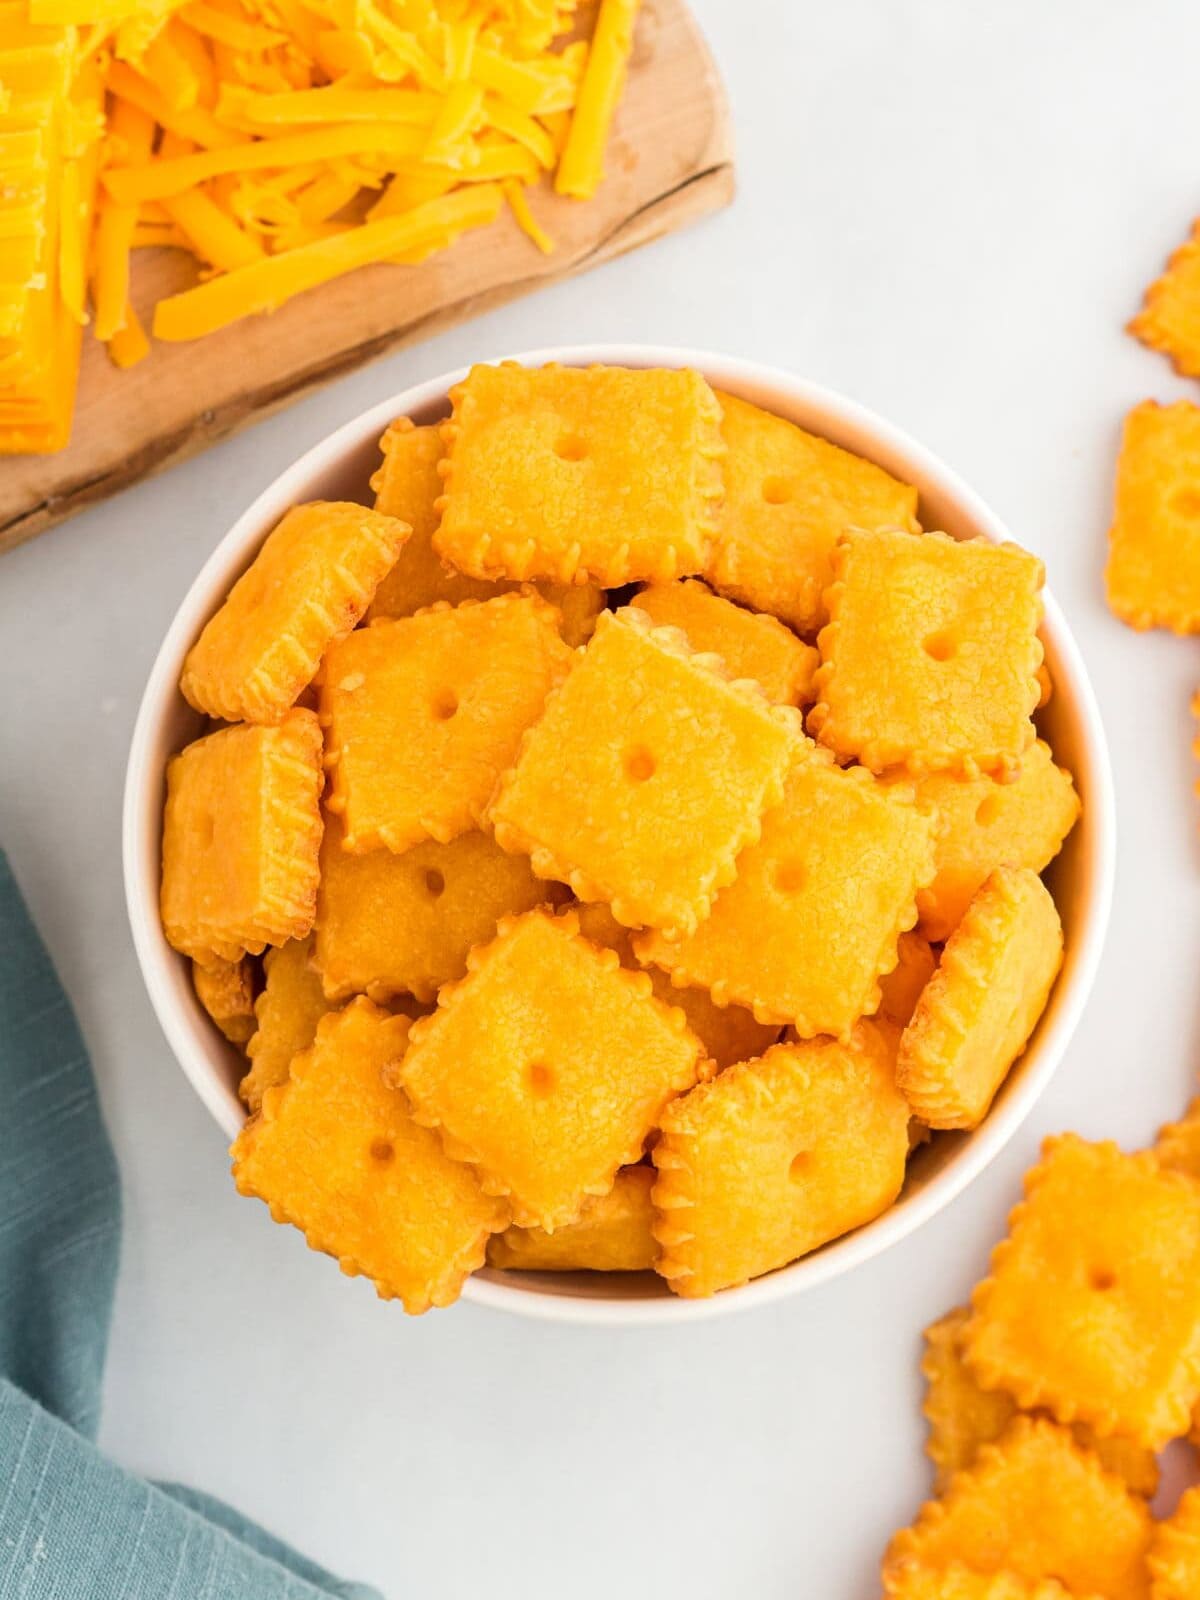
670, 161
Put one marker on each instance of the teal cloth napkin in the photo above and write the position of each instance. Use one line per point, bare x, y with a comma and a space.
73, 1525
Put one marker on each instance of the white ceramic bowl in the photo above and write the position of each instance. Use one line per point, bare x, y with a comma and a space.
1081, 878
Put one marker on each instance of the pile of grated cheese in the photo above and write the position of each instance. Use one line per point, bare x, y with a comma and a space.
281, 142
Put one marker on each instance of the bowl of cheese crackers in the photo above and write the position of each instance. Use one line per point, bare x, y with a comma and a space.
617, 834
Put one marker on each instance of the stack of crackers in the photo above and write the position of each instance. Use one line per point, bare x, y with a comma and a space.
1077, 1362
1153, 575
640, 820
1050, 1397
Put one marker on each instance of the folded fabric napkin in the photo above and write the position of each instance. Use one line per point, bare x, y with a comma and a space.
74, 1526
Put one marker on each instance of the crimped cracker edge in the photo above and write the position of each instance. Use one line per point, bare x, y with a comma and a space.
939, 1336
562, 658
1143, 325
460, 1150
492, 559
517, 841
723, 994
905, 1546
674, 1184
879, 755
1031, 1396
1161, 1561
396, 428
919, 1069
257, 700
294, 917
443, 1291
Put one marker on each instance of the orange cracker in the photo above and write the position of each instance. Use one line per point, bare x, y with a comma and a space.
408, 485
611, 1234
1092, 1309
391, 924
287, 1011
728, 1033
616, 789
1174, 1558
788, 498
750, 645
241, 832
900, 989
976, 1014
911, 1581
579, 604
962, 1417
1153, 572
982, 824
775, 1157
1178, 1144
424, 713
337, 1152
547, 1067
929, 660
813, 917
1170, 316
556, 472
1037, 1505
308, 585
226, 991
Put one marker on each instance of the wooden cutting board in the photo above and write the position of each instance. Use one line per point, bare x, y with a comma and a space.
670, 160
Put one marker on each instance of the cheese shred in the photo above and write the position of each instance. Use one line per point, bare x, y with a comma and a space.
581, 167
281, 143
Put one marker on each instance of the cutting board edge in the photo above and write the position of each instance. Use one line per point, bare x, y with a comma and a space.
708, 188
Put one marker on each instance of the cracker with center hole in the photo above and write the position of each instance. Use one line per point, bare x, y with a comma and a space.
1092, 1308
309, 584
611, 1234
648, 773
1174, 1558
241, 832
789, 496
750, 645
1178, 1144
564, 473
424, 714
287, 1011
977, 1013
226, 991
1037, 1505
929, 658
900, 989
812, 920
774, 1158
728, 1033
547, 1066
962, 1416
1153, 572
982, 824
1170, 316
408, 485
337, 1152
911, 1581
392, 924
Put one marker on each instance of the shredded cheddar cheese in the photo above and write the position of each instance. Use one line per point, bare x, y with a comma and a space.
281, 143
265, 285
581, 167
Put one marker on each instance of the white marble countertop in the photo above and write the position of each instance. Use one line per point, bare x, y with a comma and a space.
947, 212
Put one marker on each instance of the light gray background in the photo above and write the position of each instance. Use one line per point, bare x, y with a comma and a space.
948, 212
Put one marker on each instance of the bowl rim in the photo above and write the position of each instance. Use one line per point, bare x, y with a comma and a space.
900, 453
